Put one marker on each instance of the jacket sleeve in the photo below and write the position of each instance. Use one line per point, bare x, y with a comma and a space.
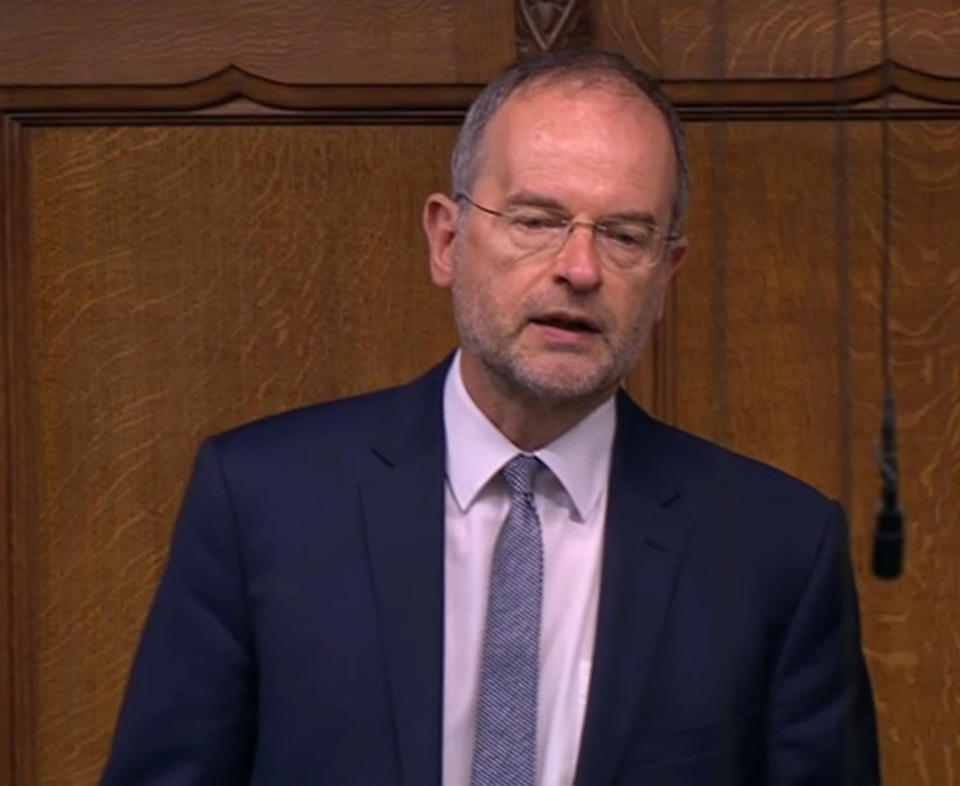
822, 727
188, 716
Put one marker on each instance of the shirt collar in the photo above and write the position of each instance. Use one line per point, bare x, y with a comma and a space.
476, 450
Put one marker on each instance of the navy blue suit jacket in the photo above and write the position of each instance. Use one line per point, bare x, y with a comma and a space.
297, 633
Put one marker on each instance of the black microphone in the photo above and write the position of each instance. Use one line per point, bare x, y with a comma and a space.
888, 535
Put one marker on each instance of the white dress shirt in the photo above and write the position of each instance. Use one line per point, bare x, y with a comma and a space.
571, 502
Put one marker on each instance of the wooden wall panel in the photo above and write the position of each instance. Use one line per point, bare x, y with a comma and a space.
926, 36
183, 280
163, 281
755, 324
6, 552
772, 39
735, 39
322, 41
912, 626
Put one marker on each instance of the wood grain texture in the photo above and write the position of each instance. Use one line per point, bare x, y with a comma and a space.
9, 152
736, 39
631, 28
926, 35
746, 55
912, 626
321, 42
767, 225
19, 432
771, 39
183, 280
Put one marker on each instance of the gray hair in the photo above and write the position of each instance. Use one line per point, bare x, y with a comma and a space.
571, 65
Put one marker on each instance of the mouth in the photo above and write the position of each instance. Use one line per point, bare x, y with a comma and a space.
567, 321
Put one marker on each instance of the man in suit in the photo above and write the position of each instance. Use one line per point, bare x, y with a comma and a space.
505, 572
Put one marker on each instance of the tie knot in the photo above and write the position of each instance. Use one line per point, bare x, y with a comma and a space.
519, 473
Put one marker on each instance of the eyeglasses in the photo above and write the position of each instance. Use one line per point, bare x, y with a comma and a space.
624, 244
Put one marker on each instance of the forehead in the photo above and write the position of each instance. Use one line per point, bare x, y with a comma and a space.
603, 136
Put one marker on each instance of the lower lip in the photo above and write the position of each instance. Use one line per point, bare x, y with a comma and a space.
558, 335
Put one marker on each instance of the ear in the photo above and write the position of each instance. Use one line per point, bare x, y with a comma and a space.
676, 253
440, 226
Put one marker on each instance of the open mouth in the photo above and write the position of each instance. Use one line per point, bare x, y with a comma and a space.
568, 322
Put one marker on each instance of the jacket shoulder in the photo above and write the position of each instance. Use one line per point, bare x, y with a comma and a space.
360, 419
704, 466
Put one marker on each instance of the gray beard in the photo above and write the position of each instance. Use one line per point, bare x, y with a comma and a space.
519, 380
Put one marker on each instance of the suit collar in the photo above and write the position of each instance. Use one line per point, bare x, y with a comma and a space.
645, 536
410, 420
402, 493
477, 450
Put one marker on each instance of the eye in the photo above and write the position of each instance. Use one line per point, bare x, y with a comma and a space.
634, 238
537, 222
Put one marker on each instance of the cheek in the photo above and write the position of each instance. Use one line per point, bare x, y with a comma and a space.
502, 283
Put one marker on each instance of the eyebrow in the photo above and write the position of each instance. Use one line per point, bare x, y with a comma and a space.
532, 199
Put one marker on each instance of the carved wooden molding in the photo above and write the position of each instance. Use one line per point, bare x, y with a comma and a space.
876, 82
232, 83
16, 462
544, 25
445, 103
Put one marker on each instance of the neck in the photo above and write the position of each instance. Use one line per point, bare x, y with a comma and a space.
527, 420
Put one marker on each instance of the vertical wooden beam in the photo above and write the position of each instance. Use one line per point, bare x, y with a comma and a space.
17, 501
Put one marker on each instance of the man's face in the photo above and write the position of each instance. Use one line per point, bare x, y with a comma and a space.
563, 324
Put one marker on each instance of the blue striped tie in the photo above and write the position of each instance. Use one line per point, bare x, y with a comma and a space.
505, 746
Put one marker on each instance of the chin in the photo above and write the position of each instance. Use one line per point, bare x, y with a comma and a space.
563, 382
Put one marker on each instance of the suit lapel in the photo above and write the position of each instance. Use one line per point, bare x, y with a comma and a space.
643, 543
402, 498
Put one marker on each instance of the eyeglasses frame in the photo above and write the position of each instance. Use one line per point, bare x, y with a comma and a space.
571, 225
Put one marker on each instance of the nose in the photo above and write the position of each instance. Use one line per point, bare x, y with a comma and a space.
576, 261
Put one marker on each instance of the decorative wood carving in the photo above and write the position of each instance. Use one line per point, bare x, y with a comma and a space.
544, 25
815, 95
756, 99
